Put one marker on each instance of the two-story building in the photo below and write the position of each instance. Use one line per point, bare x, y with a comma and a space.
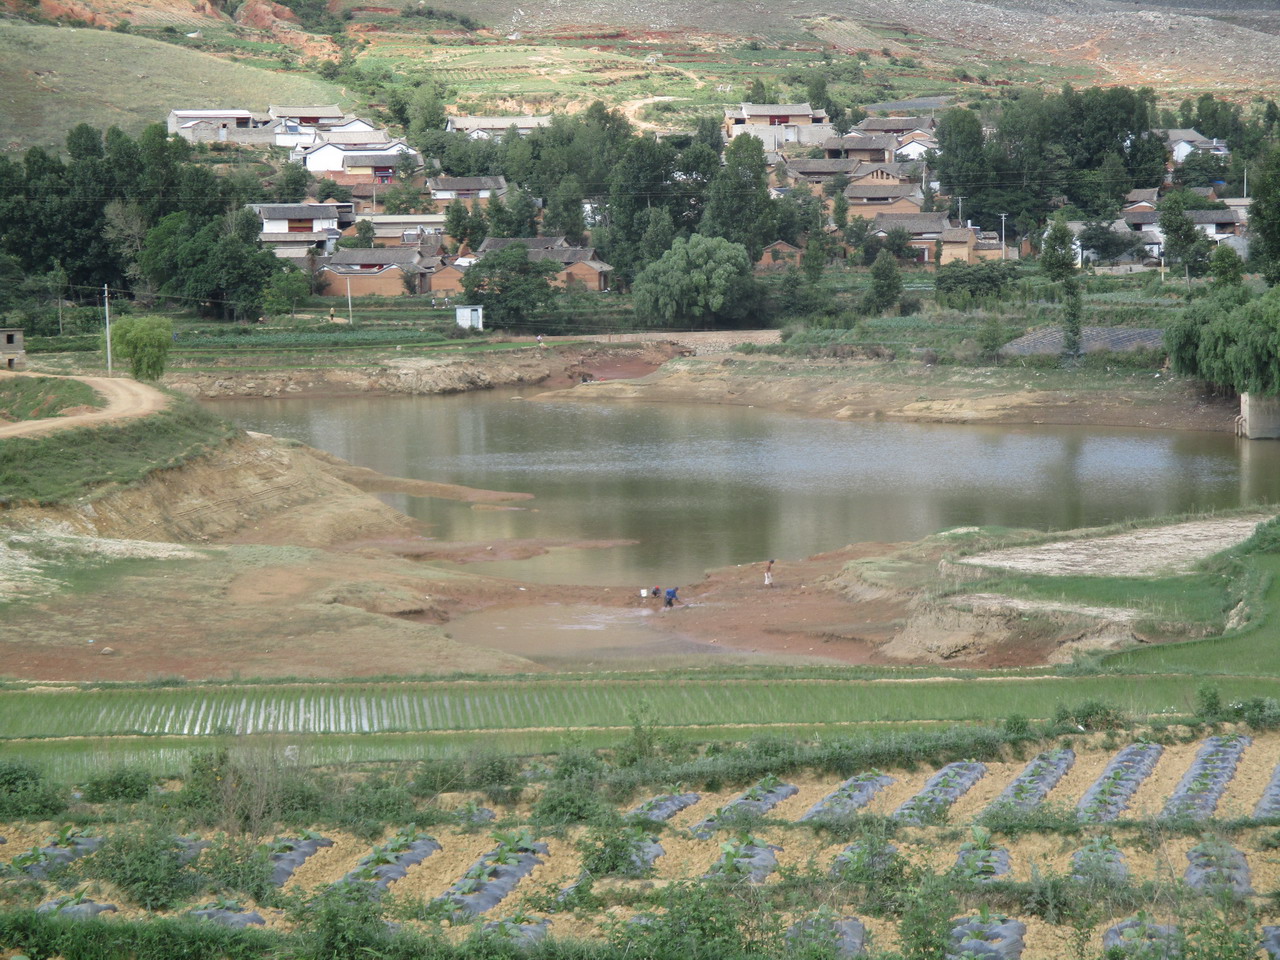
295, 231
778, 124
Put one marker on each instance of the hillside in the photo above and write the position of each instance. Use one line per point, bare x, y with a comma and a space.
56, 77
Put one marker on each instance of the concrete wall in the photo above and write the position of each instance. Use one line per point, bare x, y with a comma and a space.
1259, 417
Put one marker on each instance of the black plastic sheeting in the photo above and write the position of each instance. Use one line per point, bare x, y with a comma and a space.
1271, 942
1110, 794
64, 907
494, 888
762, 804
236, 919
847, 936
942, 790
1205, 781
848, 798
382, 875
982, 866
753, 862
519, 934
663, 807
59, 856
284, 863
1216, 867
1037, 778
996, 937
1269, 805
1144, 939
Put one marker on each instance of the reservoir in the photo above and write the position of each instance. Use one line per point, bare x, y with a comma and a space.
704, 486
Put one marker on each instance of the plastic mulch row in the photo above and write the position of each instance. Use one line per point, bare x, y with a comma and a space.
1037, 778
997, 937
1269, 805
752, 861
56, 856
850, 797
494, 889
1110, 794
284, 863
83, 910
1090, 865
1204, 783
1216, 867
383, 874
763, 803
942, 790
236, 919
982, 866
873, 859
1141, 938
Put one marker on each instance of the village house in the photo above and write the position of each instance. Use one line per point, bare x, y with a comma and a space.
778, 255
1142, 199
401, 229
867, 198
327, 115
295, 231
380, 271
492, 128
579, 266
898, 126
924, 230
818, 170
1181, 143
777, 124
870, 148
467, 189
13, 351
356, 163
916, 146
970, 245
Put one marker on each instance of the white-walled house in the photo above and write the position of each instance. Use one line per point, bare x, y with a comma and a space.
294, 230
325, 158
491, 128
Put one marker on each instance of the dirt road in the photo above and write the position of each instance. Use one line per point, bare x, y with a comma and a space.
126, 399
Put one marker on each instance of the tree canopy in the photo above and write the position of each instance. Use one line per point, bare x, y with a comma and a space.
701, 281
511, 287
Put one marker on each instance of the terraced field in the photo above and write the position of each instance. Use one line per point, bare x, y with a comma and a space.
766, 837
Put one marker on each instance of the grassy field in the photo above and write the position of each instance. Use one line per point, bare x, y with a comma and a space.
61, 466
55, 78
32, 398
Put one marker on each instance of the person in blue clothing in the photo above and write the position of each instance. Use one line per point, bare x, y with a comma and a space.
670, 597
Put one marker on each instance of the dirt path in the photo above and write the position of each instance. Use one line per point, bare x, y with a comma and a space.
126, 400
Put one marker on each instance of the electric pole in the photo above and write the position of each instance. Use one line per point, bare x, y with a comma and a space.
106, 312
1003, 253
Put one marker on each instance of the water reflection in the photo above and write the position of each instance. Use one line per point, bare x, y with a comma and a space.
704, 486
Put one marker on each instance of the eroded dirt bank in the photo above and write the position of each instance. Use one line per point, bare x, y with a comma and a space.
442, 373
912, 391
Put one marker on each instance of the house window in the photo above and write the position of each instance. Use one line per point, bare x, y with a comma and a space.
10, 338
301, 226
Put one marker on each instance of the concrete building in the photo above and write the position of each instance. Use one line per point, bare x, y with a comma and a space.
13, 351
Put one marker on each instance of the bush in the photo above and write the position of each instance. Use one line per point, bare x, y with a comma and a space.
440, 775
119, 783
233, 866
148, 866
25, 793
1089, 714
564, 802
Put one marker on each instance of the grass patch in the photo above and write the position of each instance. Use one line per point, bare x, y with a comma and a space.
34, 398
72, 463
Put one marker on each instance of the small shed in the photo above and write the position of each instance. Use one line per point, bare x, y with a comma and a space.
13, 352
469, 317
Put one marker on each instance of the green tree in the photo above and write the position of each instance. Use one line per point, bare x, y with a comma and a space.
402, 198
292, 183
327, 189
456, 219
840, 211
363, 239
425, 112
659, 233
285, 290
1264, 218
145, 343
702, 281
511, 287
886, 284
1226, 267
1058, 263
522, 214
564, 214
1184, 243
738, 206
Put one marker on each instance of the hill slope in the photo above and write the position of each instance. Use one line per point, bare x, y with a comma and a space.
55, 77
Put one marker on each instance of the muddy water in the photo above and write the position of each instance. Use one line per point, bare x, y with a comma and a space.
704, 486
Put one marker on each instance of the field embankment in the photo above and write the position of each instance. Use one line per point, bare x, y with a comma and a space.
25, 398
919, 392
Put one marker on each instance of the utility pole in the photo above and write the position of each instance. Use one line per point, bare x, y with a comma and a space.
960, 201
350, 322
1003, 251
106, 311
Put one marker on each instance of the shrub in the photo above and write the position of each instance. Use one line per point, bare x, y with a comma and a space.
148, 866
25, 793
238, 866
440, 775
1090, 714
119, 783
571, 801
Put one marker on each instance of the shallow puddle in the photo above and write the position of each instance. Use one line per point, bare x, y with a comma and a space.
582, 635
